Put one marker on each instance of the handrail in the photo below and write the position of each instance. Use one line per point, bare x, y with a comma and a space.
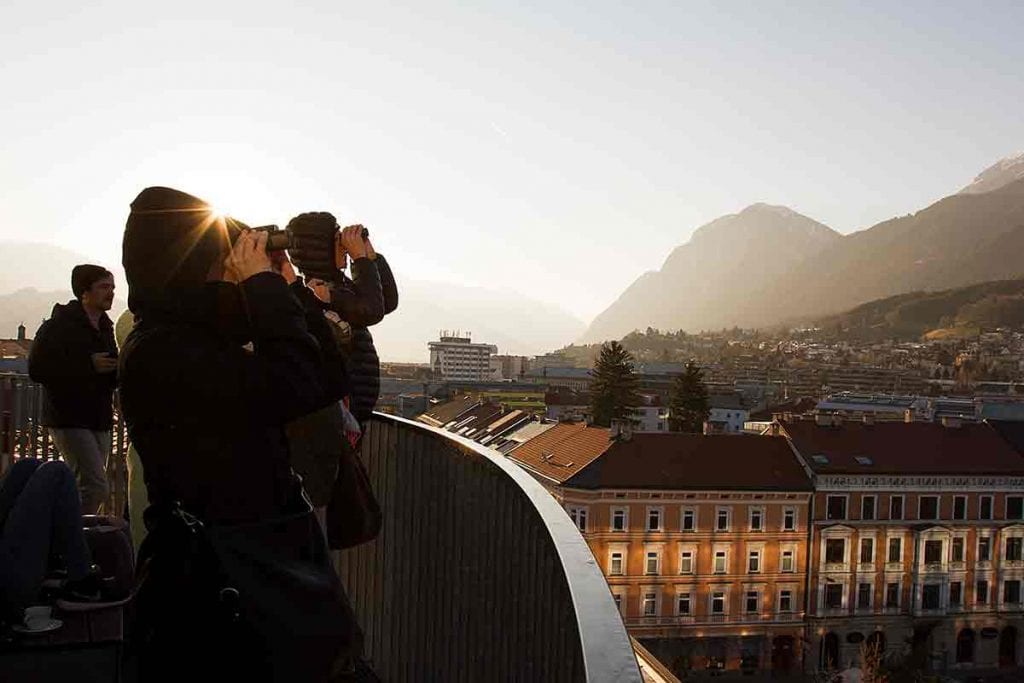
547, 613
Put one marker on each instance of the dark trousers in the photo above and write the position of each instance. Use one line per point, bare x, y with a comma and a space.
40, 517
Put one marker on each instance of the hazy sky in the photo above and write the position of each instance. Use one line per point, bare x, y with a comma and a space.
551, 148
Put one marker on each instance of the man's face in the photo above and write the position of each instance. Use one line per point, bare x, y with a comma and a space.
101, 295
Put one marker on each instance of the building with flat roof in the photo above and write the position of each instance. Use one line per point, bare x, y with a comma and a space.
457, 358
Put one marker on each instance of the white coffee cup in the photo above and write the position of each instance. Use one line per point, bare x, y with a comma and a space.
37, 617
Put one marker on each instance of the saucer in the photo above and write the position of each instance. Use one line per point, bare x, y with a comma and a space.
53, 625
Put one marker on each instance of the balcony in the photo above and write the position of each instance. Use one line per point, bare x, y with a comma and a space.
478, 573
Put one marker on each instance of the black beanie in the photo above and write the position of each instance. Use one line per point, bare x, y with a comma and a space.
170, 242
84, 276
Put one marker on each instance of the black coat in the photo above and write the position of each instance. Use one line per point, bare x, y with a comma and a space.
75, 395
207, 417
362, 302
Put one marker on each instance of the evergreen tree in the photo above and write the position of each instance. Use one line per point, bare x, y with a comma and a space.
613, 391
688, 403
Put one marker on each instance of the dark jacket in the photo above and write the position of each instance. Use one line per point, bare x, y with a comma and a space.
356, 303
207, 416
74, 394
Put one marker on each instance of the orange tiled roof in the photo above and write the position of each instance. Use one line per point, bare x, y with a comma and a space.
563, 450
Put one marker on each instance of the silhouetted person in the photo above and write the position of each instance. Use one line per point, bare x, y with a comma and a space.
75, 359
235, 578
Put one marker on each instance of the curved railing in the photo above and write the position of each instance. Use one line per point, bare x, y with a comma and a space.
478, 574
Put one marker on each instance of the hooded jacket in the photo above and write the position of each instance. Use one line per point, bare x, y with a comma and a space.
74, 394
207, 417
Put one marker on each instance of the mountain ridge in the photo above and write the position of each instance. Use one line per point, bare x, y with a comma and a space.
965, 238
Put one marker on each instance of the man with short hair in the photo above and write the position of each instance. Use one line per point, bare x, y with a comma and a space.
74, 357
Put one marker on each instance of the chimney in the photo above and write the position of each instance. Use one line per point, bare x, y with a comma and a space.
908, 416
21, 332
775, 429
621, 430
708, 429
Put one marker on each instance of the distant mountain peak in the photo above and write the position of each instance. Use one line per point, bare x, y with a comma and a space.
1003, 172
763, 207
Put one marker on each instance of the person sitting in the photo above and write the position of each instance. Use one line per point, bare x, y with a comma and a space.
41, 531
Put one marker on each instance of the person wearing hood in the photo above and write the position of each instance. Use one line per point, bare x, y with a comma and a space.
234, 570
74, 357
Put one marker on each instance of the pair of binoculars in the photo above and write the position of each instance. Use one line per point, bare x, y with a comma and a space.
280, 239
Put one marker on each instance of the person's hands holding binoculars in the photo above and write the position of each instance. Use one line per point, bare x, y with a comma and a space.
248, 257
351, 241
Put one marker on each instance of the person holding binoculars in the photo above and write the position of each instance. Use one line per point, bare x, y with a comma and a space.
234, 569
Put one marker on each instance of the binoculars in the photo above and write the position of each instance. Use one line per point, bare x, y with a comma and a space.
279, 240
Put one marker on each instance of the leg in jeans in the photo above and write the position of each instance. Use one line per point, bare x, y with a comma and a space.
46, 517
83, 450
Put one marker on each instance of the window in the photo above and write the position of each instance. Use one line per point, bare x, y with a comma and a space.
1015, 507
579, 517
683, 604
686, 562
895, 549
720, 561
959, 507
867, 550
928, 507
933, 552
652, 563
722, 519
789, 519
1013, 549
892, 595
981, 593
931, 596
650, 604
615, 568
896, 507
957, 549
863, 596
867, 507
619, 519
689, 519
835, 550
754, 561
787, 564
1011, 592
756, 519
984, 549
835, 507
654, 519
618, 602
833, 596
985, 507
718, 603
956, 593
751, 602
786, 601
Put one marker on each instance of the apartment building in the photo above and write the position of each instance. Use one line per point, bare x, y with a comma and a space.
457, 358
702, 538
917, 542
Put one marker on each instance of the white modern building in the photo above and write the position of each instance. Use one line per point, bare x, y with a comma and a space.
457, 358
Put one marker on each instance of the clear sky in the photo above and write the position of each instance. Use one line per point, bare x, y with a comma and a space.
555, 149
